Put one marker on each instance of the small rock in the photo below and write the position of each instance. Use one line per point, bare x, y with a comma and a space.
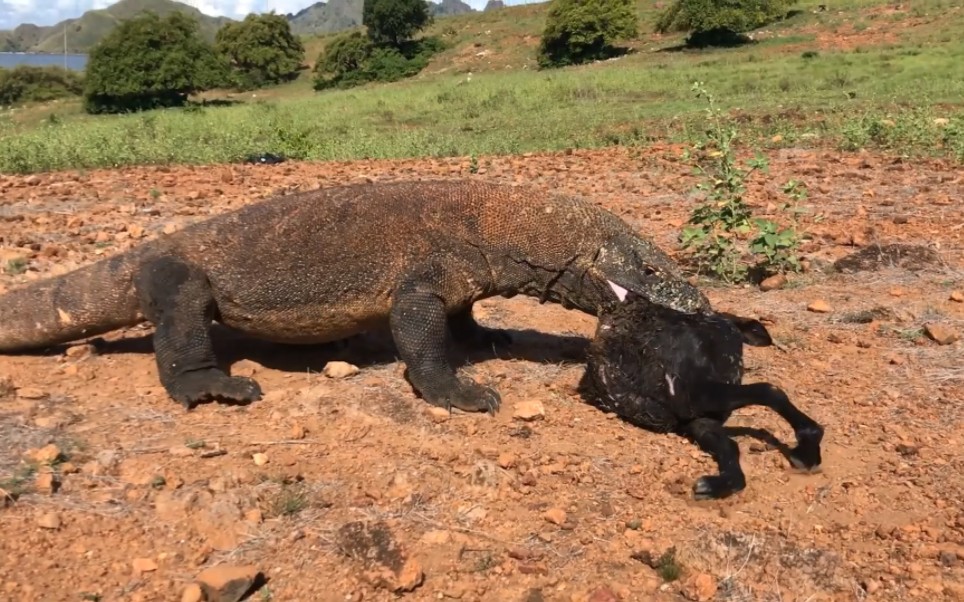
556, 516
253, 516
340, 370
30, 393
507, 460
45, 482
298, 431
78, 351
777, 281
438, 414
941, 121
529, 410
47, 454
942, 335
437, 537
181, 451
226, 583
192, 593
50, 520
603, 594
700, 587
260, 459
819, 306
957, 296
410, 577
871, 586
144, 565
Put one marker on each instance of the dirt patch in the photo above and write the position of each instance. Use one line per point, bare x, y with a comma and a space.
467, 496
877, 256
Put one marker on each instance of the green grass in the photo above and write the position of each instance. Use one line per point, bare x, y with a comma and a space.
877, 97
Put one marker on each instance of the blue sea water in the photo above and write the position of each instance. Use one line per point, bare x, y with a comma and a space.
75, 62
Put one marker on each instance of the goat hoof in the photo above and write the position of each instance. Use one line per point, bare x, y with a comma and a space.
806, 455
714, 487
805, 460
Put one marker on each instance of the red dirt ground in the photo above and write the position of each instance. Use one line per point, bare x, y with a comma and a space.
562, 508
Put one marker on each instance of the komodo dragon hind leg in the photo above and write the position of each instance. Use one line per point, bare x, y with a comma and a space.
177, 299
465, 329
419, 326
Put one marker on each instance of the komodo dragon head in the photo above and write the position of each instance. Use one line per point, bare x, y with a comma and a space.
632, 263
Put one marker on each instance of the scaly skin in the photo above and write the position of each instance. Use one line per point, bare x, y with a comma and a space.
323, 265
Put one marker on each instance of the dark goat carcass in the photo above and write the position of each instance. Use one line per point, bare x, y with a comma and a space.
672, 372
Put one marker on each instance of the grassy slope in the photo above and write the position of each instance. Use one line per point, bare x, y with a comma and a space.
881, 79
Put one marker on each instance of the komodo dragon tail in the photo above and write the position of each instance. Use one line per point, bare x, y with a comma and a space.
88, 301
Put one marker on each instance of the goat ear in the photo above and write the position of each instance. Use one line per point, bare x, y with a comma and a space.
753, 331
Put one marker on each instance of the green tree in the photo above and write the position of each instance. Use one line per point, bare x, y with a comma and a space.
394, 22
719, 22
261, 50
149, 62
343, 62
352, 59
578, 31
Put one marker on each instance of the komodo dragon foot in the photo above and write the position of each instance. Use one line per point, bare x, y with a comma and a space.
177, 298
420, 328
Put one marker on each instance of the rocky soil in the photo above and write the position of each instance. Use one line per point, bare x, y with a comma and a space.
341, 485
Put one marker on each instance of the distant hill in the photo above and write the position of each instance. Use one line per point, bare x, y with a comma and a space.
91, 27
339, 15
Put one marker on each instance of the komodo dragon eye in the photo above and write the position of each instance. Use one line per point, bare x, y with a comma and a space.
649, 270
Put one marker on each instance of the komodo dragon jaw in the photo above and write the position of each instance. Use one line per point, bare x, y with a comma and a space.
635, 264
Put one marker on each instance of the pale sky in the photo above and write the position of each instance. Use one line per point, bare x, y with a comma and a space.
15, 12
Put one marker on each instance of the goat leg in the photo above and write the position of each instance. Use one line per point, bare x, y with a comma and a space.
806, 455
709, 435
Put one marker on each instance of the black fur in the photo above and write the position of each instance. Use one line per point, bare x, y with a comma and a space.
671, 372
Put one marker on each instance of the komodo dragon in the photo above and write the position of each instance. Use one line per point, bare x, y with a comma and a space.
323, 265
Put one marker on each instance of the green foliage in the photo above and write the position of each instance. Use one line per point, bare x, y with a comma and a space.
261, 50
723, 221
28, 83
717, 22
578, 31
150, 62
393, 22
352, 60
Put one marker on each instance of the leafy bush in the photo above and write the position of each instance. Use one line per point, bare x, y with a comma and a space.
578, 31
28, 83
352, 60
261, 50
149, 62
719, 22
393, 22
723, 221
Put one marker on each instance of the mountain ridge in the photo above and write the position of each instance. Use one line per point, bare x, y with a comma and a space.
85, 31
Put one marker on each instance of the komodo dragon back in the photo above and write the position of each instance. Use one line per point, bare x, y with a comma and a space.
324, 264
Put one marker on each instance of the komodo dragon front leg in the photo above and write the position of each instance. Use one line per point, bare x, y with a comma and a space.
420, 328
177, 298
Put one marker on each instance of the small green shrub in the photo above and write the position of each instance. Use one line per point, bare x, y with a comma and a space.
29, 83
720, 225
352, 60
